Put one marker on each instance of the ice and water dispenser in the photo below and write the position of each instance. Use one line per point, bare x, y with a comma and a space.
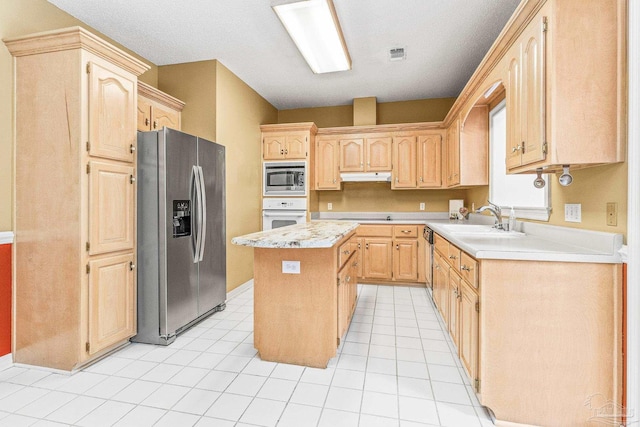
181, 218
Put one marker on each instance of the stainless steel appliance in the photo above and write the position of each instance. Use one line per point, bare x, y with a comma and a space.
284, 179
427, 233
181, 233
278, 213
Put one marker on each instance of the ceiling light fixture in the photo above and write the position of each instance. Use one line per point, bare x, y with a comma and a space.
313, 25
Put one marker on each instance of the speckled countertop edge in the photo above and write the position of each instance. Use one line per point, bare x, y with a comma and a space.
315, 234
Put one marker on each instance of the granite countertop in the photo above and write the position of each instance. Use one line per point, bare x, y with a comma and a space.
315, 234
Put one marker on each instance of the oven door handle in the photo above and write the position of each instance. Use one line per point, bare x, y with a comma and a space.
285, 213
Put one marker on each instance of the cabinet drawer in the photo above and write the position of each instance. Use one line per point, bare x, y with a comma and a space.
441, 245
405, 231
453, 257
469, 269
371, 230
345, 250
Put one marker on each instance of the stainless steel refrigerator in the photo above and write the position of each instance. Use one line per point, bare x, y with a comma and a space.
181, 233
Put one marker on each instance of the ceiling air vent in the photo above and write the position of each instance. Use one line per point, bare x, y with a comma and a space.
397, 54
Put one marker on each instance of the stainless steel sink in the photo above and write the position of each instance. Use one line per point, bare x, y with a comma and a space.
480, 231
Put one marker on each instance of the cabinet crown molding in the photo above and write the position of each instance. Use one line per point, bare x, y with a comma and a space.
400, 127
74, 38
157, 95
290, 127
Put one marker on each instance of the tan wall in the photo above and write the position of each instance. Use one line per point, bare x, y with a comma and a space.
323, 117
378, 197
194, 83
17, 18
240, 112
592, 188
421, 110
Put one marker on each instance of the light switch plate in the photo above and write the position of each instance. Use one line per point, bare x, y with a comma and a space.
291, 267
573, 212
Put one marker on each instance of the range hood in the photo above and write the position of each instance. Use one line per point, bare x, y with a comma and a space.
366, 177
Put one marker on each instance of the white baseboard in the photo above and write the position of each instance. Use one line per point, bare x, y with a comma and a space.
240, 289
6, 361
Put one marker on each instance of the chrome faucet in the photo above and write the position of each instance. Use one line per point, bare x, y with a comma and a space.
496, 211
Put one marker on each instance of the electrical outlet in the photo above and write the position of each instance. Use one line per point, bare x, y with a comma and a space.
291, 267
422, 206
329, 206
573, 212
612, 214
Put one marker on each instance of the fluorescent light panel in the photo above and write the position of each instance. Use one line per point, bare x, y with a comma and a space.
313, 25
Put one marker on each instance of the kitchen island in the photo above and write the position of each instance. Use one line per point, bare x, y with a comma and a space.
304, 290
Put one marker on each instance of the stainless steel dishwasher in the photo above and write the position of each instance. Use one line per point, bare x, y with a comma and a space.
427, 233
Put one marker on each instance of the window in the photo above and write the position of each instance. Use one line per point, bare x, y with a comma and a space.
515, 191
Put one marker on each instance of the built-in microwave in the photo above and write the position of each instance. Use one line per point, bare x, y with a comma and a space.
284, 179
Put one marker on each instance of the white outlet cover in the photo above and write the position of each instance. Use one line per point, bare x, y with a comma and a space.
329, 206
291, 267
421, 206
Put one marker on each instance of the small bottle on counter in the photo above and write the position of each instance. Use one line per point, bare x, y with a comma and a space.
512, 220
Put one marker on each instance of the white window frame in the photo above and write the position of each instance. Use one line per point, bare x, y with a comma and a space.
497, 173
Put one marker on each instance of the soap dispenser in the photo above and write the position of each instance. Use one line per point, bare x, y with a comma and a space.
512, 220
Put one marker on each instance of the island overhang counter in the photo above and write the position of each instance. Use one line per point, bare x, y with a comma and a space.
304, 290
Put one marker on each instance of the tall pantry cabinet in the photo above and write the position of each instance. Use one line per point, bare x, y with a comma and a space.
75, 192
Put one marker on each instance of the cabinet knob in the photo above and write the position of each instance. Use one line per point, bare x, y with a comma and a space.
516, 148
132, 179
286, 151
397, 179
421, 180
453, 257
346, 252
465, 268
347, 279
366, 246
132, 148
282, 151
361, 164
359, 246
146, 122
155, 124
397, 247
132, 266
334, 180
405, 231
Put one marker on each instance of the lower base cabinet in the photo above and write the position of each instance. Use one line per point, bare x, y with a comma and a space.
537, 339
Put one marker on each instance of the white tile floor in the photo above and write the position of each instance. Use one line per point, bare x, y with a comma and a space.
395, 368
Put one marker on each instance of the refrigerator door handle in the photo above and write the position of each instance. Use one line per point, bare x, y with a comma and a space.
195, 197
203, 214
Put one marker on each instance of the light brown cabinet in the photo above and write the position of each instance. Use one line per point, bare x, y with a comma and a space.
347, 285
526, 96
368, 153
76, 268
404, 162
467, 149
468, 327
555, 112
289, 141
327, 163
429, 161
390, 253
157, 109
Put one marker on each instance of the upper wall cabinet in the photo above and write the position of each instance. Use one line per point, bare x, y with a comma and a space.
327, 163
156, 109
287, 141
467, 149
417, 160
566, 99
365, 153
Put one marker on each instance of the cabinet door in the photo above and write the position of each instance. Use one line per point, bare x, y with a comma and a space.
344, 306
378, 154
468, 339
429, 161
404, 162
533, 97
111, 301
143, 114
453, 154
360, 257
454, 294
424, 262
352, 155
112, 114
440, 284
327, 165
296, 146
163, 116
377, 258
273, 147
514, 128
405, 260
111, 207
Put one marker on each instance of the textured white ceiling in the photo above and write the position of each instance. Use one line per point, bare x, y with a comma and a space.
445, 40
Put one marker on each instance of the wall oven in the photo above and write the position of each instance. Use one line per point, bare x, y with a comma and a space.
284, 179
278, 213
